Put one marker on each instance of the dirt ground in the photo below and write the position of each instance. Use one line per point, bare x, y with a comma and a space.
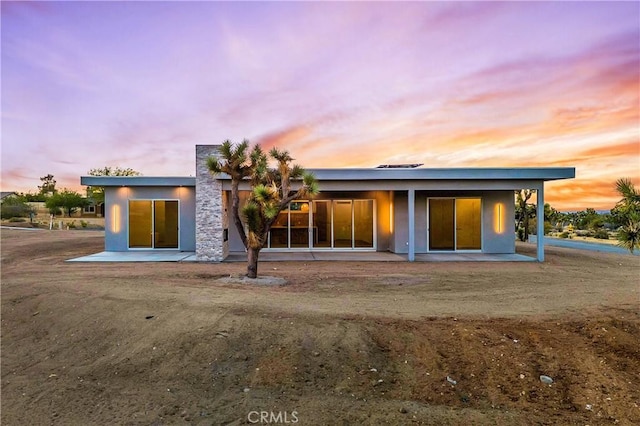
343, 343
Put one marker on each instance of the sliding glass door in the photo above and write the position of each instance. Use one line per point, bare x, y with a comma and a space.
342, 224
468, 224
322, 224
455, 224
140, 224
363, 223
325, 224
153, 224
441, 224
165, 220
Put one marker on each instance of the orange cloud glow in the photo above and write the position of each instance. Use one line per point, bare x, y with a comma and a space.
337, 84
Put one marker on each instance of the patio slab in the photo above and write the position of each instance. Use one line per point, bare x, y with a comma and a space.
333, 256
307, 256
138, 256
473, 257
326, 256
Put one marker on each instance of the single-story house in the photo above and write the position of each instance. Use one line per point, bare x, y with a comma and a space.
92, 209
404, 210
6, 195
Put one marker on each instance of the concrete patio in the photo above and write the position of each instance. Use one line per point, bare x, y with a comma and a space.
306, 256
138, 256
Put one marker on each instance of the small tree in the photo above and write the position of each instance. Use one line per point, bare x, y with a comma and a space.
551, 215
589, 219
270, 191
30, 197
67, 200
96, 193
628, 209
48, 186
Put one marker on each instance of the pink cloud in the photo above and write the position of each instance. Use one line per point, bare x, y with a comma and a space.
285, 139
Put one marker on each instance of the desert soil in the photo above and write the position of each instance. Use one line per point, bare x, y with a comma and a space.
342, 343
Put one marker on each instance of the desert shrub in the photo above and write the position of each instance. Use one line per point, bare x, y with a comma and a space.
565, 234
72, 224
601, 234
533, 227
83, 223
17, 219
14, 207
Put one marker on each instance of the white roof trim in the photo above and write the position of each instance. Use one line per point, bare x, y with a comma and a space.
346, 175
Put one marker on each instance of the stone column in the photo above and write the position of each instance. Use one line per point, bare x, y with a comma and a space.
211, 220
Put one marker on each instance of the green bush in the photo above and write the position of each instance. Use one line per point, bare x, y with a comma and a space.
565, 234
14, 207
71, 225
83, 223
533, 227
601, 234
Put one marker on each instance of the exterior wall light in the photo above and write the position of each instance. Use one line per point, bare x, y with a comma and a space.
498, 212
115, 219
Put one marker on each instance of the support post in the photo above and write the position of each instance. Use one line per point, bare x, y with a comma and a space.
540, 222
412, 225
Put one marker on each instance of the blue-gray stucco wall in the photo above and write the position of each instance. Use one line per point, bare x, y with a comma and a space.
117, 221
493, 240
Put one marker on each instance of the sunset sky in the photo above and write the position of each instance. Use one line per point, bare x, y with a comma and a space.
354, 84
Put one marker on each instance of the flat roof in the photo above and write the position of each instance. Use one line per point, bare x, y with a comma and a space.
361, 174
138, 181
501, 173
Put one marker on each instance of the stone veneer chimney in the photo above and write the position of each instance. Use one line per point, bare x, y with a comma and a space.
211, 210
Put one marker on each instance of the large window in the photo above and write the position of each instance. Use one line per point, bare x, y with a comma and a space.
153, 224
325, 224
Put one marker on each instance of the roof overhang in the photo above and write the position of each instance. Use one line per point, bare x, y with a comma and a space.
421, 174
380, 179
466, 179
137, 181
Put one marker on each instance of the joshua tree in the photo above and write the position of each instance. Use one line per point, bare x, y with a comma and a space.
629, 208
270, 191
523, 212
